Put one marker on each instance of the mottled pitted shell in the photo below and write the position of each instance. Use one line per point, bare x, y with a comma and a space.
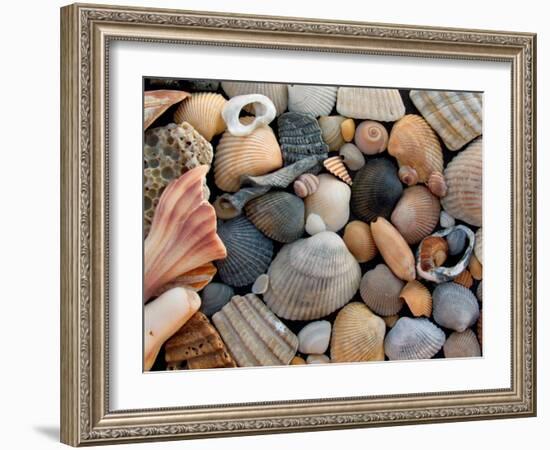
455, 116
357, 335
413, 339
156, 102
375, 191
332, 132
462, 345
300, 137
335, 165
330, 201
416, 214
277, 93
306, 184
204, 112
464, 176
314, 100
347, 128
454, 306
371, 137
253, 334
418, 298
312, 278
380, 290
352, 156
478, 247
264, 112
413, 143
249, 252
315, 337
214, 296
359, 240
385, 105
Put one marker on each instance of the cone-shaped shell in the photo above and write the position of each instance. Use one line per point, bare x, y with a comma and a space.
314, 100
214, 296
359, 240
183, 233
371, 137
255, 154
393, 248
306, 184
413, 143
478, 246
455, 116
331, 131
277, 214
253, 334
462, 345
330, 201
416, 214
300, 137
454, 306
357, 335
278, 93
249, 252
413, 339
312, 277
464, 176
335, 165
418, 298
376, 189
380, 290
156, 102
370, 103
204, 112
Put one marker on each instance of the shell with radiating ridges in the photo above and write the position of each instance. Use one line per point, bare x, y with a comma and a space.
454, 306
357, 335
416, 338
464, 176
253, 334
380, 290
204, 112
314, 100
330, 201
464, 278
195, 279
300, 137
455, 116
462, 345
371, 137
335, 165
359, 240
385, 105
214, 296
478, 246
277, 93
418, 298
249, 252
157, 102
312, 277
277, 214
332, 132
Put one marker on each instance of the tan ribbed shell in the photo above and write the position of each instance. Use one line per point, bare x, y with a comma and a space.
462, 345
418, 298
204, 112
370, 103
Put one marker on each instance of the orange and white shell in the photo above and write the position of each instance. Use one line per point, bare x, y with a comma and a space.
335, 165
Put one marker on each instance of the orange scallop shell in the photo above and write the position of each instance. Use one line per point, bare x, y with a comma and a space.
418, 298
204, 112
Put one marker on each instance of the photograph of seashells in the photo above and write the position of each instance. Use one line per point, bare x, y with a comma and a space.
290, 224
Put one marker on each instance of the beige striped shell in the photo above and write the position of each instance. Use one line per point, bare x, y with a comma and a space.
380, 290
331, 131
478, 246
314, 100
464, 176
418, 298
359, 240
204, 112
462, 345
278, 93
370, 103
335, 165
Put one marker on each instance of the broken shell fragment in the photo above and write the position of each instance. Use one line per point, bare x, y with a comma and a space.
157, 102
277, 93
264, 111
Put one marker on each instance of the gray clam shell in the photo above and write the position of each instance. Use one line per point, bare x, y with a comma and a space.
214, 296
380, 290
413, 339
454, 306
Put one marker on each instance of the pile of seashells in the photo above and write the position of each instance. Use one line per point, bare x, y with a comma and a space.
301, 224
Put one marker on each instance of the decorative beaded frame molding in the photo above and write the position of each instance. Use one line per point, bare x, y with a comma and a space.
86, 31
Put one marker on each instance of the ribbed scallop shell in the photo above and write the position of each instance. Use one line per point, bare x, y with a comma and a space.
375, 191
416, 214
314, 100
413, 339
455, 116
478, 246
475, 268
413, 143
253, 334
312, 277
357, 335
370, 103
279, 215
330, 201
454, 306
278, 93
380, 290
204, 112
418, 298
156, 102
249, 252
331, 131
371, 137
255, 154
305, 185
359, 240
300, 137
462, 345
464, 176
335, 165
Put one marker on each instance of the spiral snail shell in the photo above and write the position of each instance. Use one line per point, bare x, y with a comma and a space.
371, 137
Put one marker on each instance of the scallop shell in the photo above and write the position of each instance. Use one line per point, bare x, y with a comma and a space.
413, 339
330, 201
416, 214
253, 334
312, 278
455, 116
214, 296
380, 290
464, 278
277, 214
393, 248
433, 252
414, 144
376, 189
335, 165
478, 247
236, 156
300, 137
314, 100
305, 185
462, 345
454, 306
358, 335
359, 240
371, 137
464, 176
314, 224
249, 252
264, 112
332, 132
277, 93
157, 102
315, 337
418, 298
352, 156
204, 112
347, 128
370, 103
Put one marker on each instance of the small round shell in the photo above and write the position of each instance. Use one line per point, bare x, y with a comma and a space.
446, 220
330, 201
315, 337
315, 224
371, 137
305, 185
347, 128
214, 296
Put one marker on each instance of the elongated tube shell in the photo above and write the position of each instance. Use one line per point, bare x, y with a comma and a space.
204, 112
380, 290
413, 339
370, 103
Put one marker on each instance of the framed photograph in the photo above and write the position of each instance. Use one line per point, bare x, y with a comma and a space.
329, 225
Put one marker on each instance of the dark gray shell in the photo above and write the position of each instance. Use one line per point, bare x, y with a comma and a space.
456, 241
214, 296
454, 306
413, 339
249, 252
479, 291
375, 191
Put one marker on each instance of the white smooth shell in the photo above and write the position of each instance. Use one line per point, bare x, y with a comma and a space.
315, 224
314, 337
330, 202
264, 110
